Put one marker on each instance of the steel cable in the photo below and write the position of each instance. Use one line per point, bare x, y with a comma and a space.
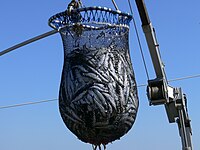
139, 42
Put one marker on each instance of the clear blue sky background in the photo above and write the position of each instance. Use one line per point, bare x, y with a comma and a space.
32, 73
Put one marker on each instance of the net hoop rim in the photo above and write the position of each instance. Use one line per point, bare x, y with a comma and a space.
96, 8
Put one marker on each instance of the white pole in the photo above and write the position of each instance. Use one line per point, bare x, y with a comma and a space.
28, 42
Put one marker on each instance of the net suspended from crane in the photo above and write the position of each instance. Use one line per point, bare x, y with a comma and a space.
98, 98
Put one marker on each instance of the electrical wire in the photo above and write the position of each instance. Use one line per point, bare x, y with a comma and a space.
177, 79
184, 78
139, 42
51, 100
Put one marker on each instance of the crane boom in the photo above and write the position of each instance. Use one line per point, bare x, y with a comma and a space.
158, 90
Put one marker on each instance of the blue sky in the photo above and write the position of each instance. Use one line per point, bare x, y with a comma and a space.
32, 73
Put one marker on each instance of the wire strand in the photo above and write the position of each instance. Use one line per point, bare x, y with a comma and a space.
113, 1
139, 41
184, 78
51, 100
177, 79
130, 6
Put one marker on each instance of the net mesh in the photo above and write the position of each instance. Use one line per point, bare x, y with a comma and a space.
98, 97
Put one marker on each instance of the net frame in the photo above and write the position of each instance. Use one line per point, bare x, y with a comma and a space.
84, 113
91, 15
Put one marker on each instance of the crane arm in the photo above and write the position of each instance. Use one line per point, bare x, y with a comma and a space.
152, 41
158, 90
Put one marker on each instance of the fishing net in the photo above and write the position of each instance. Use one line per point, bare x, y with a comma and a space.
98, 96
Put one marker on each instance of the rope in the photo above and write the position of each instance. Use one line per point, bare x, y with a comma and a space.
139, 42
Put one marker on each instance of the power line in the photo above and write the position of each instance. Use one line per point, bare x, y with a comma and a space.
51, 100
176, 79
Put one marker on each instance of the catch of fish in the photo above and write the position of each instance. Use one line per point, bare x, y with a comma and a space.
98, 98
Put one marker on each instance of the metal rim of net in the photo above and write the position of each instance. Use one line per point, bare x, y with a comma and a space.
91, 18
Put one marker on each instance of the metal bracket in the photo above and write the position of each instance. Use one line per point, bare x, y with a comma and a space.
177, 112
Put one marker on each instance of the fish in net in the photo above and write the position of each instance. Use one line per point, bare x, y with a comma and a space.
98, 98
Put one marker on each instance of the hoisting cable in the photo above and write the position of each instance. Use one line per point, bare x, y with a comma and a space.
116, 7
139, 42
28, 42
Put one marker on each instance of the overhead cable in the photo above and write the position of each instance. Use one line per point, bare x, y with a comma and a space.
184, 78
176, 79
51, 100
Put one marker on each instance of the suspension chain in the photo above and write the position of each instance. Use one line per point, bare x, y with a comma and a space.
74, 5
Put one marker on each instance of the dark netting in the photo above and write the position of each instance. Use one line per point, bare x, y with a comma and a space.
98, 96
